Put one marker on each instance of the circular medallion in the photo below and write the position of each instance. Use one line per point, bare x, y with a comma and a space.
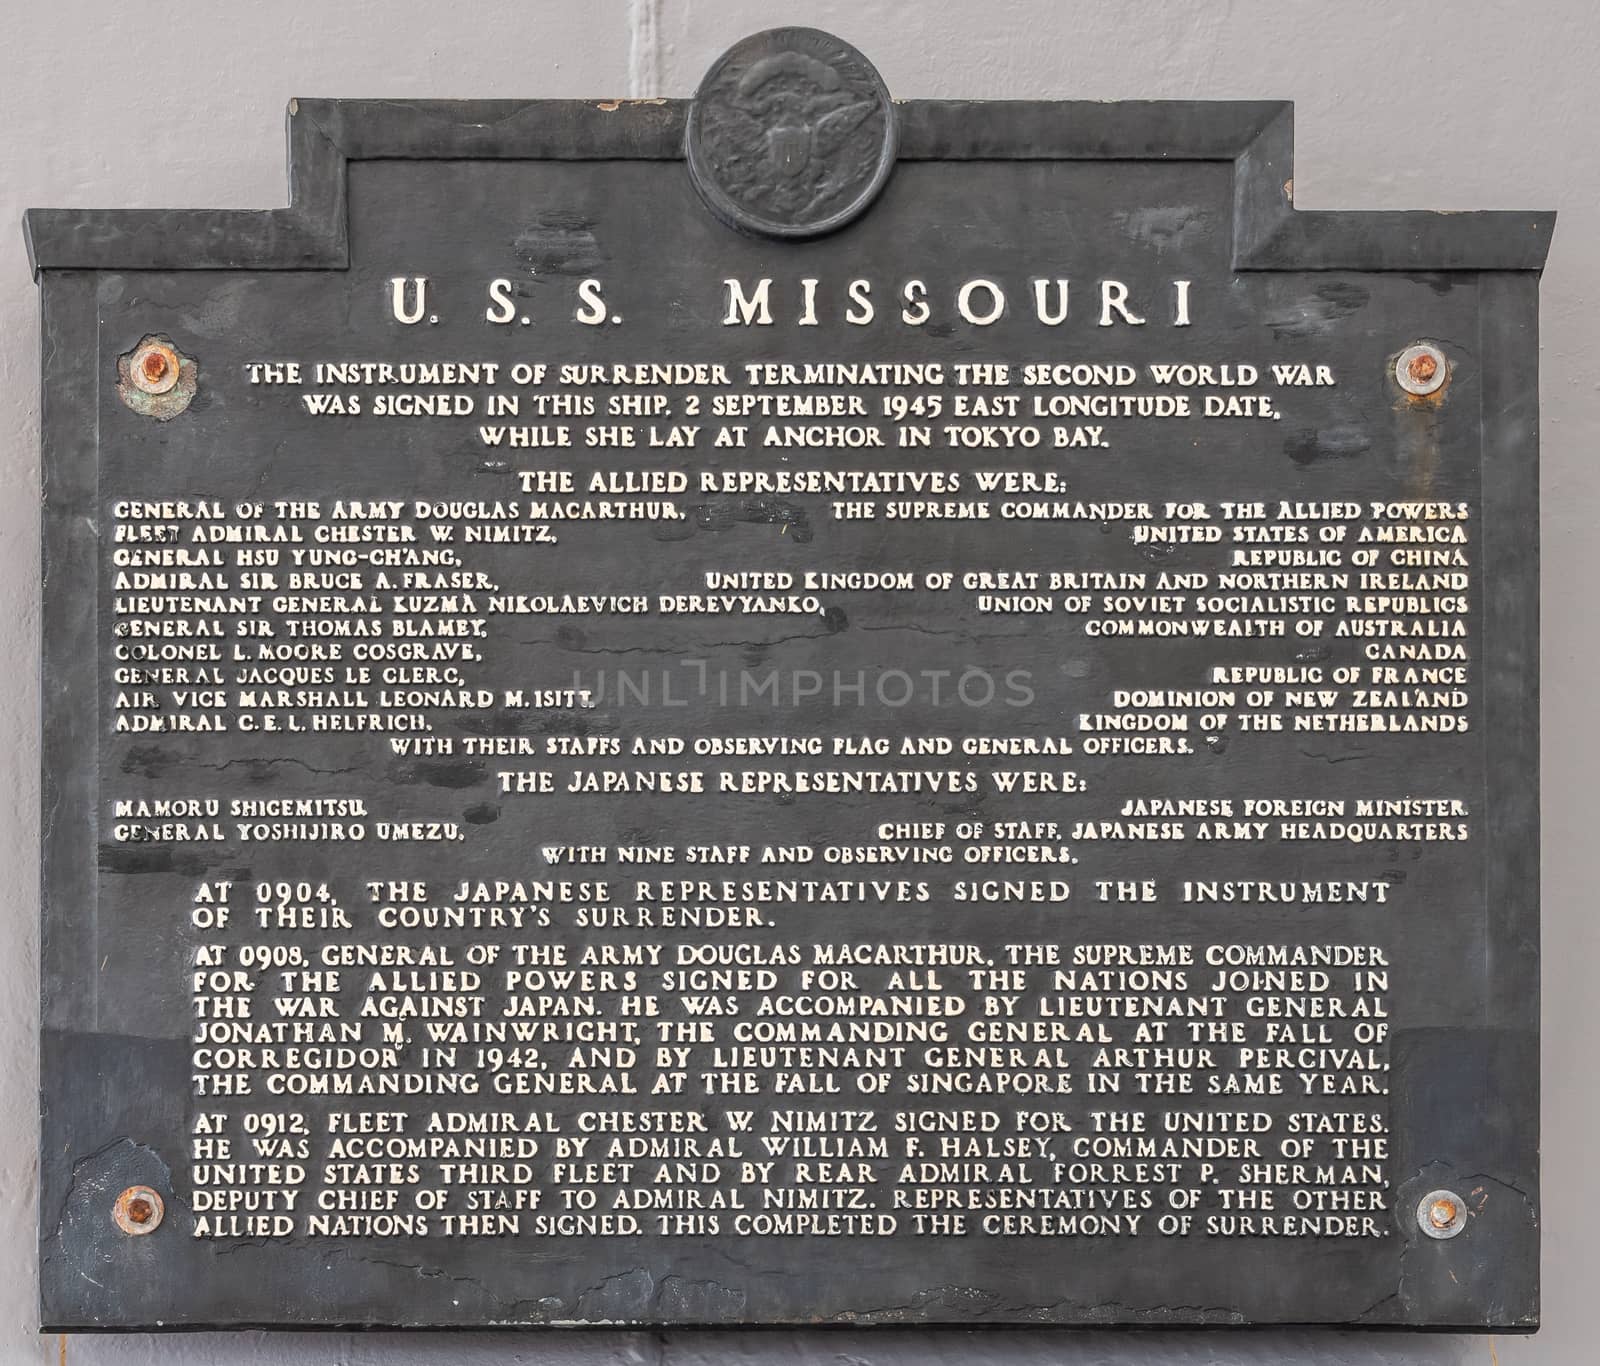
792, 134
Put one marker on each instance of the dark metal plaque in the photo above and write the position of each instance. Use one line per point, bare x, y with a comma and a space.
789, 743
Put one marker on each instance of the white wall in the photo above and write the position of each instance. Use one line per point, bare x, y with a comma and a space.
1400, 104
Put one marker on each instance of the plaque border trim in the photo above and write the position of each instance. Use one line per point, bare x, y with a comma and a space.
324, 136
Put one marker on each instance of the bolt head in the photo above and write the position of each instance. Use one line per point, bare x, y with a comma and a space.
1442, 1214
154, 368
138, 1210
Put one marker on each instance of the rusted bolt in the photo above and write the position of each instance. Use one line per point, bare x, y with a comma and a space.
155, 368
138, 1210
1421, 369
1442, 1214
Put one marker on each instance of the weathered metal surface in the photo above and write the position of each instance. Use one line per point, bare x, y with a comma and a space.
544, 196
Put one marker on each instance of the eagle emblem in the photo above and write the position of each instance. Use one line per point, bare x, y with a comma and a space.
792, 134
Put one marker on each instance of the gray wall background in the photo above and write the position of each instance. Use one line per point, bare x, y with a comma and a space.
1449, 104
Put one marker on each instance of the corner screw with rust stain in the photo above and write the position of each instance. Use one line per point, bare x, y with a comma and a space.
1421, 369
138, 1210
154, 368
1442, 1214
